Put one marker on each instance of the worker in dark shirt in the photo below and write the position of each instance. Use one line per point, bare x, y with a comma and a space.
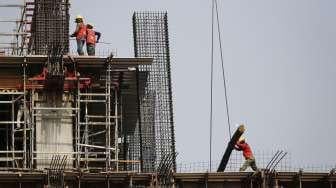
241, 145
91, 39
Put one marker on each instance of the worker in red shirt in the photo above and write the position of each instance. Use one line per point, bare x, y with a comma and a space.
91, 39
241, 145
80, 34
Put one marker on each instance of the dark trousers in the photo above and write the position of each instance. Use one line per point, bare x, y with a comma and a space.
90, 49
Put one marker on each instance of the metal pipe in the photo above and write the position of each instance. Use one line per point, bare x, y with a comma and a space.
10, 21
12, 34
11, 93
93, 101
54, 108
11, 6
93, 94
97, 133
24, 115
108, 114
86, 131
6, 102
116, 136
78, 125
10, 122
13, 127
99, 147
32, 128
13, 136
93, 123
16, 151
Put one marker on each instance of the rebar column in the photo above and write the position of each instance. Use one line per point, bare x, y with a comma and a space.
156, 108
50, 25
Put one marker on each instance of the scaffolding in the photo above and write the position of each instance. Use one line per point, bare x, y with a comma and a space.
96, 111
121, 120
12, 154
21, 32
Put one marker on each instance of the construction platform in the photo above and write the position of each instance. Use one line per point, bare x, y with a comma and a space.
186, 180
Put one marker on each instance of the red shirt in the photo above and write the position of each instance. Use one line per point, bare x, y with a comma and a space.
80, 31
247, 152
90, 37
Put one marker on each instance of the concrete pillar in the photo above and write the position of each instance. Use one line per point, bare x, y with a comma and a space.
54, 128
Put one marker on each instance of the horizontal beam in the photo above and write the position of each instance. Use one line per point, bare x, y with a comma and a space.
89, 61
11, 6
13, 34
94, 146
10, 21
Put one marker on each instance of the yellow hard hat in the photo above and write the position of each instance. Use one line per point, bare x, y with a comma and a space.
242, 139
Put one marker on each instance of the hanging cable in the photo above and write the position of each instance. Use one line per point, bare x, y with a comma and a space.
211, 84
223, 72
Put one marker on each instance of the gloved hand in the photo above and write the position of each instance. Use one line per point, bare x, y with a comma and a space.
97, 41
73, 35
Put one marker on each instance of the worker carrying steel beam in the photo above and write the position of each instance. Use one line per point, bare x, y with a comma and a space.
242, 145
91, 39
80, 34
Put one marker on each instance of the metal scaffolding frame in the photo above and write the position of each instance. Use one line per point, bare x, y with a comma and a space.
12, 98
21, 33
22, 126
90, 125
101, 140
104, 155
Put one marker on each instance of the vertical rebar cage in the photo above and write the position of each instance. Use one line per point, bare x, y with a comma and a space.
157, 135
50, 25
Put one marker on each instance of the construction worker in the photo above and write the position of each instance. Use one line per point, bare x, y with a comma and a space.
241, 145
80, 34
91, 39
22, 113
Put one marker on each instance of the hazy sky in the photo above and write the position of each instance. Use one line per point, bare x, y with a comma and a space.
280, 65
279, 57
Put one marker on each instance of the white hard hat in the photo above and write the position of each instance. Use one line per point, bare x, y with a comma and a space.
79, 17
90, 24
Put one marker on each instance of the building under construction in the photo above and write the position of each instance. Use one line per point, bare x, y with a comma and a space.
94, 121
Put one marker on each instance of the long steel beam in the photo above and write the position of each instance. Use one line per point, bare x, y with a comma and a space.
230, 147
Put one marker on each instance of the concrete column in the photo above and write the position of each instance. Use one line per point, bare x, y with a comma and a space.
53, 128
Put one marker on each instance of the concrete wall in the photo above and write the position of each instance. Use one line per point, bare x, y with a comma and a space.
54, 128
